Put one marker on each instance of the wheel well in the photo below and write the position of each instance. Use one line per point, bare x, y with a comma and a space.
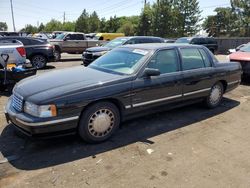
38, 54
57, 48
224, 83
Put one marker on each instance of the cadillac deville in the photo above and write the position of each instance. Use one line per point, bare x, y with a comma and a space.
127, 82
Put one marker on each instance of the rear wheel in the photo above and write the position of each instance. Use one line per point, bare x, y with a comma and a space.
39, 61
99, 122
215, 97
57, 55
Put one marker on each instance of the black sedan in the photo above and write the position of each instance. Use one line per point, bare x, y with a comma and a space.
127, 82
38, 51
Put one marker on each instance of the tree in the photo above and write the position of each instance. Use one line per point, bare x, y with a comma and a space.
163, 19
41, 27
223, 24
241, 8
53, 25
127, 28
94, 22
69, 26
102, 27
189, 16
3, 26
82, 23
145, 21
112, 25
30, 29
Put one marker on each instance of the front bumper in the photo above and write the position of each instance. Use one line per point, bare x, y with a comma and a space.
38, 127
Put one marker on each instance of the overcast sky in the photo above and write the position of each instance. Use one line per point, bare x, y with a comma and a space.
36, 11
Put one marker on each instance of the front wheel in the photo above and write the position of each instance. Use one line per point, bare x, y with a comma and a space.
215, 97
99, 122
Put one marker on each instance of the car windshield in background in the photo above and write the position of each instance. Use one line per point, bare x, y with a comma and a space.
122, 61
116, 42
245, 48
183, 40
61, 36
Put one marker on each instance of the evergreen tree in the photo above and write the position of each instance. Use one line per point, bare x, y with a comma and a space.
82, 23
163, 19
102, 27
145, 21
41, 27
94, 22
241, 8
189, 16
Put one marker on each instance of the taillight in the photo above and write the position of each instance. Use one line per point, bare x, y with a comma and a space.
21, 51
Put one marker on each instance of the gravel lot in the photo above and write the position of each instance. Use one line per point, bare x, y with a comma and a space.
187, 147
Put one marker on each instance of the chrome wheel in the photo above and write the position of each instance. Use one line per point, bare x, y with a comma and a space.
215, 95
39, 61
101, 122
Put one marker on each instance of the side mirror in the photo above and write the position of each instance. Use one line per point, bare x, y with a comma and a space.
148, 72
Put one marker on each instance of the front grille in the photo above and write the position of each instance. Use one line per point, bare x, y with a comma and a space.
17, 102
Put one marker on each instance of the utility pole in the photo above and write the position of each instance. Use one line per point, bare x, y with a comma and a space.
13, 20
145, 2
63, 17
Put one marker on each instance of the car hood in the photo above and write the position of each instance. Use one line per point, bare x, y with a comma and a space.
240, 56
55, 84
98, 49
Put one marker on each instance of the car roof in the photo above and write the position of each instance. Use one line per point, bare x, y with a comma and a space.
157, 46
130, 37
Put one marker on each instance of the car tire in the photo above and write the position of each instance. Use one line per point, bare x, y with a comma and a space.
39, 61
57, 55
98, 122
215, 96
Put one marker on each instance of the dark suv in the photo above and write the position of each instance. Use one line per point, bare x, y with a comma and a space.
38, 51
209, 42
93, 53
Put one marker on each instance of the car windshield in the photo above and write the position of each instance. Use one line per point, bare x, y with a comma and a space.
183, 40
245, 48
61, 36
122, 61
116, 42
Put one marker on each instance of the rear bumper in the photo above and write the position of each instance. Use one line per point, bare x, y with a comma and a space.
37, 127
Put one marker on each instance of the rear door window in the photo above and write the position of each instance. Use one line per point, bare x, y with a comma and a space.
191, 59
79, 37
205, 58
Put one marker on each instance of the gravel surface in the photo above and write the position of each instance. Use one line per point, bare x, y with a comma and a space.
186, 147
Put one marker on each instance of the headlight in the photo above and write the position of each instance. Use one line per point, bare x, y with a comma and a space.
99, 53
40, 111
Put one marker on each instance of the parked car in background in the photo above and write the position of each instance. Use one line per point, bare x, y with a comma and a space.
13, 67
243, 57
56, 33
15, 51
72, 43
44, 36
108, 36
237, 48
38, 51
169, 40
93, 53
125, 83
209, 42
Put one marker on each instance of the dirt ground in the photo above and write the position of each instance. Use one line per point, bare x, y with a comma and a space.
186, 147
